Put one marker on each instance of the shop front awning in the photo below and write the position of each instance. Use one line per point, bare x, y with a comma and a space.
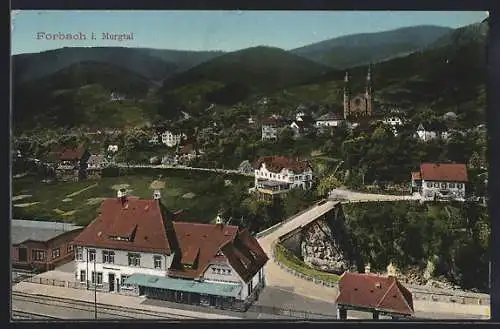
207, 288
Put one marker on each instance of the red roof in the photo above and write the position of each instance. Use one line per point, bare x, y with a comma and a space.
145, 223
140, 220
277, 163
200, 243
444, 172
416, 175
385, 294
70, 154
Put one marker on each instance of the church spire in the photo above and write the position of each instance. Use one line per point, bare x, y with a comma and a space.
346, 95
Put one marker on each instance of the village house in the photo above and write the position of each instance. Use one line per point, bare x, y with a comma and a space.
330, 119
428, 133
114, 96
437, 181
271, 127
41, 245
376, 294
276, 175
70, 163
136, 247
95, 165
170, 139
302, 126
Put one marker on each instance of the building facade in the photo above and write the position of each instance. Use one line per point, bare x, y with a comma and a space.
41, 246
137, 247
435, 181
329, 120
71, 163
276, 175
271, 126
360, 105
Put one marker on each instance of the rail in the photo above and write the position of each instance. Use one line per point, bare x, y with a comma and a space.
23, 315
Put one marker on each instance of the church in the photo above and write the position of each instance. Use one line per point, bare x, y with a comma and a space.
361, 105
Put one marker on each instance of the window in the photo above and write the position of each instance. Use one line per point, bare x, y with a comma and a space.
260, 275
91, 255
250, 288
451, 185
443, 185
108, 256
56, 253
99, 277
79, 253
134, 259
123, 278
229, 272
83, 276
38, 255
157, 262
70, 248
459, 185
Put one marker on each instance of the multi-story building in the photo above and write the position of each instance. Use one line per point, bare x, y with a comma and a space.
436, 181
135, 246
275, 175
170, 139
71, 163
271, 127
329, 120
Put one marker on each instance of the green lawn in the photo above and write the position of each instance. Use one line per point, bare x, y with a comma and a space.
293, 262
82, 207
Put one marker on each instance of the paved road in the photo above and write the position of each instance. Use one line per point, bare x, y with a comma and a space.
278, 278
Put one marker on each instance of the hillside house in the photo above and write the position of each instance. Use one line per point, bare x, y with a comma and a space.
136, 247
440, 181
95, 165
379, 295
271, 127
428, 133
276, 175
330, 119
71, 163
37, 245
302, 126
171, 139
114, 96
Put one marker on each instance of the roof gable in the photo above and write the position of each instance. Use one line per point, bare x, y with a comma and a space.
277, 163
377, 292
134, 224
444, 172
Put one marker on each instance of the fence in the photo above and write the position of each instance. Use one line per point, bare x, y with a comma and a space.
460, 298
252, 308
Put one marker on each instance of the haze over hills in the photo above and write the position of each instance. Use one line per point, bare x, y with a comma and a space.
430, 75
359, 49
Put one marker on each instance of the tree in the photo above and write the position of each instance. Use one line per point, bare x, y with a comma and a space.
327, 184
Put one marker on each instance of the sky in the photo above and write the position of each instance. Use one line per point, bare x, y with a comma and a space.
213, 30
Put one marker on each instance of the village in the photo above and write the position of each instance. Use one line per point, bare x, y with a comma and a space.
139, 246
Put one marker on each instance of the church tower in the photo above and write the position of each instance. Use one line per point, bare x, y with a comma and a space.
369, 92
347, 100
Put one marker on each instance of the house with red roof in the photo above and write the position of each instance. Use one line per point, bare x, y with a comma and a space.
276, 175
137, 246
379, 295
70, 163
440, 181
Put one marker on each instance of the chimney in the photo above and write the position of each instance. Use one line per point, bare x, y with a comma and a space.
156, 195
367, 268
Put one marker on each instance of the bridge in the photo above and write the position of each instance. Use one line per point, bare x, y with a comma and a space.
280, 278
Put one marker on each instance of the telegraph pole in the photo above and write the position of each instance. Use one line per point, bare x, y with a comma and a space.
95, 287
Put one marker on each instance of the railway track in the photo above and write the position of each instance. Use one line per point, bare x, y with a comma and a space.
108, 311
23, 315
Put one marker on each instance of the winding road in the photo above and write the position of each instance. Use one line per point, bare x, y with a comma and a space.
279, 278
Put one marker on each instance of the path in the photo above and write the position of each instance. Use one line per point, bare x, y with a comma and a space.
279, 278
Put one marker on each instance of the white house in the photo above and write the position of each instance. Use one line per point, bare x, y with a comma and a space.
135, 247
271, 127
329, 120
438, 181
170, 139
276, 175
427, 134
112, 148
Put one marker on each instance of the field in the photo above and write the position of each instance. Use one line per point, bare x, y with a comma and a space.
78, 202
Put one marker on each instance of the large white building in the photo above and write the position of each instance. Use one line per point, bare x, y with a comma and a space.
438, 181
135, 247
278, 174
